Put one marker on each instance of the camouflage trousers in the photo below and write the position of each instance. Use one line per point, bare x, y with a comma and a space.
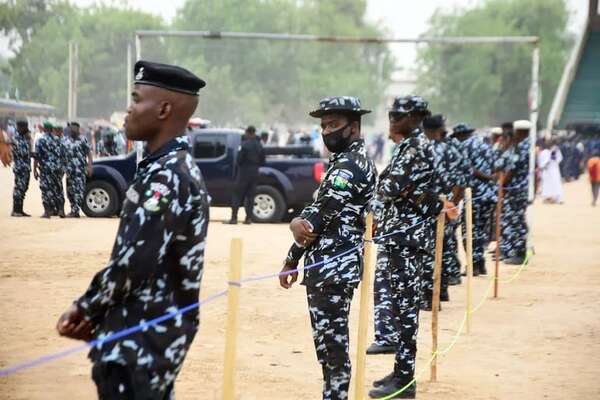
513, 241
428, 270
75, 190
385, 333
482, 217
404, 275
22, 176
450, 262
329, 307
120, 382
51, 186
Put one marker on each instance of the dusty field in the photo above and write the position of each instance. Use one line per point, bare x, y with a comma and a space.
540, 340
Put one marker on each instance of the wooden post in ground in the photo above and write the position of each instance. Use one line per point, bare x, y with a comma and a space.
366, 295
498, 231
469, 238
233, 302
435, 301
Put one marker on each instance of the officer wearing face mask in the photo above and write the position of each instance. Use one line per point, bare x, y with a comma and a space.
334, 224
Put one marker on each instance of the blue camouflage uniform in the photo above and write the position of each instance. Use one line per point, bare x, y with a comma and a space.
51, 155
338, 216
514, 223
155, 268
21, 152
480, 157
405, 188
77, 151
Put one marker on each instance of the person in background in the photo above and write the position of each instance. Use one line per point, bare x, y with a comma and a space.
79, 166
549, 161
21, 155
593, 167
250, 157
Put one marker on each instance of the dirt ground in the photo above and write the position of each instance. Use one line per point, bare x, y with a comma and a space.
539, 340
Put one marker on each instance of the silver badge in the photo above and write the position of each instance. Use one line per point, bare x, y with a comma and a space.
133, 195
140, 74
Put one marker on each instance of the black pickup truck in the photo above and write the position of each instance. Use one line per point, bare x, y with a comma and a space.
287, 182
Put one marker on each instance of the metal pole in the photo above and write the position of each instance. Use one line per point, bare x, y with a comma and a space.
129, 75
341, 39
70, 90
533, 116
75, 79
435, 300
469, 238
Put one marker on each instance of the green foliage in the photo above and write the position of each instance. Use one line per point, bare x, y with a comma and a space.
489, 84
248, 81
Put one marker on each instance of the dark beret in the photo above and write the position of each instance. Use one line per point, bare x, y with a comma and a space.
170, 77
434, 121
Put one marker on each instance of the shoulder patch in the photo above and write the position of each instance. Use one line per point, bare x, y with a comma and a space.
341, 179
157, 198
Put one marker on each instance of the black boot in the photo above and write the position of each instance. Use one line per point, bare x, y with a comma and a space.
61, 213
233, 220
475, 271
247, 221
480, 266
375, 348
444, 295
384, 381
17, 209
73, 214
47, 213
454, 280
394, 385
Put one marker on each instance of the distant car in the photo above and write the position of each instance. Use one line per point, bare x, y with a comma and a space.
287, 181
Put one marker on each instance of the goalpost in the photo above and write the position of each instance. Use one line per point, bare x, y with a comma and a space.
533, 41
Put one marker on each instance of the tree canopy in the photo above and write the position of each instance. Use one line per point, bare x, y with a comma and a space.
489, 84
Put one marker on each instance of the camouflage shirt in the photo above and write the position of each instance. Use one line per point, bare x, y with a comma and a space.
480, 157
51, 154
338, 216
406, 189
155, 267
518, 164
21, 152
77, 154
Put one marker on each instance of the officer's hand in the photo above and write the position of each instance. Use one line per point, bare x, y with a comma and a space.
36, 174
72, 325
451, 210
302, 231
287, 279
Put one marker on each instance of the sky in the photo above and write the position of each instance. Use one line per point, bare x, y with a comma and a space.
400, 18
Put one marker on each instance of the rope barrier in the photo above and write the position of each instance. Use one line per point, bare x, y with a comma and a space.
131, 330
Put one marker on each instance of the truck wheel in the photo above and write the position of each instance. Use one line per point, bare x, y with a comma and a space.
100, 200
269, 205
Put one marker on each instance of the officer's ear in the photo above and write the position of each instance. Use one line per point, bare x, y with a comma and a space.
164, 110
355, 127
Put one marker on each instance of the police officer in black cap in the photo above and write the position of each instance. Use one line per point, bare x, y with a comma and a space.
157, 259
329, 233
250, 157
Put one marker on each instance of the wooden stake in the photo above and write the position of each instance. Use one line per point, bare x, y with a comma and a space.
365, 306
233, 301
498, 231
469, 238
435, 301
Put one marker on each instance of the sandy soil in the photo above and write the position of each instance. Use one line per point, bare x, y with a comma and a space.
539, 340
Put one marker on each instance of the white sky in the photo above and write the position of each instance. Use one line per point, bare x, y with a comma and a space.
400, 18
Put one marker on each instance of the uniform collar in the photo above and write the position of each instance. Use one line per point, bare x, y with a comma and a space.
354, 147
175, 144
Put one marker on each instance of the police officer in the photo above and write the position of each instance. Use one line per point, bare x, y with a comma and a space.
334, 224
21, 155
79, 165
406, 190
49, 166
157, 260
448, 181
107, 146
516, 183
482, 182
386, 336
250, 157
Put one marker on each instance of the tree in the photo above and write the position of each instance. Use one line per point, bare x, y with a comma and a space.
489, 84
40, 68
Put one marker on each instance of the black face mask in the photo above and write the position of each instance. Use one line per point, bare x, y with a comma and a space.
335, 141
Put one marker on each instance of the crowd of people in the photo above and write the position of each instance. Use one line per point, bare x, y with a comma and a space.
157, 261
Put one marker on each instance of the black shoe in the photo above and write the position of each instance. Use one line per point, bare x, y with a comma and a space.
247, 221
73, 214
375, 348
480, 266
24, 214
514, 260
61, 214
475, 271
384, 381
444, 295
231, 222
392, 386
46, 214
454, 280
